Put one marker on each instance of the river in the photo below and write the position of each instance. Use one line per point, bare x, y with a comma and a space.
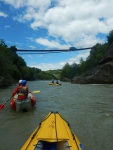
88, 109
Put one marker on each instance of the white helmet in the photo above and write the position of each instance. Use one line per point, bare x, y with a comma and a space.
20, 81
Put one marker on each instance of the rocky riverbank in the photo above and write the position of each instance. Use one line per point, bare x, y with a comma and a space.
102, 74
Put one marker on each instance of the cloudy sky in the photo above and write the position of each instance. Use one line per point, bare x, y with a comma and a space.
55, 24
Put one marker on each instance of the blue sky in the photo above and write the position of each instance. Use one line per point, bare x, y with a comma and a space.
55, 24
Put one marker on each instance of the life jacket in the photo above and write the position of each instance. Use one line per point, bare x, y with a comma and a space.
22, 92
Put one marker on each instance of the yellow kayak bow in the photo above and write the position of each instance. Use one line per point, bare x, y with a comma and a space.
53, 133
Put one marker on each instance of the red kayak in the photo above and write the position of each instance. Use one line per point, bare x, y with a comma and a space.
25, 104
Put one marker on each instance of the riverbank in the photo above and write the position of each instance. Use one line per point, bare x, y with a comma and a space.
102, 74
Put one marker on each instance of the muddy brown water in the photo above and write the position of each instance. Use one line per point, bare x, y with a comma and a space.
87, 108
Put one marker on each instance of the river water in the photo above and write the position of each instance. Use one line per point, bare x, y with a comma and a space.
88, 109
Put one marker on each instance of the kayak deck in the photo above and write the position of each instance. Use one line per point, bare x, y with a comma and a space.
53, 133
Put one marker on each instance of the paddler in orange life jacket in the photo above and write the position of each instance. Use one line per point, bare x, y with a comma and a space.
21, 90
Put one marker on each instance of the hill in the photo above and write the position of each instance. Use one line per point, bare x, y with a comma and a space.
55, 73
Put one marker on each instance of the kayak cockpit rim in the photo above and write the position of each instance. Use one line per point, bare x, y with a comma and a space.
55, 145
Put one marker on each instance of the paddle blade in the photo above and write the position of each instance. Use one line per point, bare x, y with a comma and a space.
35, 92
2, 106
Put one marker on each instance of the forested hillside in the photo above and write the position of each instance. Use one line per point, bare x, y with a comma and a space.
13, 67
99, 55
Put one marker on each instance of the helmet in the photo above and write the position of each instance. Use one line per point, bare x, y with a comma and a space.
23, 82
20, 81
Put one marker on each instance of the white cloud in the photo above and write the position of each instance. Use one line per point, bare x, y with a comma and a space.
75, 21
51, 44
7, 26
32, 47
2, 14
42, 4
76, 59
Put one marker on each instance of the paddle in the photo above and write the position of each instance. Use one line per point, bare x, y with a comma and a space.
2, 105
36, 92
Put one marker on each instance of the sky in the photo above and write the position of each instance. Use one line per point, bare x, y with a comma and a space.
55, 24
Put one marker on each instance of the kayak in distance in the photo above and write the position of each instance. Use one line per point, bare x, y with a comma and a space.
55, 84
23, 105
53, 133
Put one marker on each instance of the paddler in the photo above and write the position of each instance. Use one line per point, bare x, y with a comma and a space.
21, 90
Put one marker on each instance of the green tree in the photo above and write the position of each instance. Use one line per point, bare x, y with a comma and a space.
2, 43
110, 37
25, 73
66, 71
